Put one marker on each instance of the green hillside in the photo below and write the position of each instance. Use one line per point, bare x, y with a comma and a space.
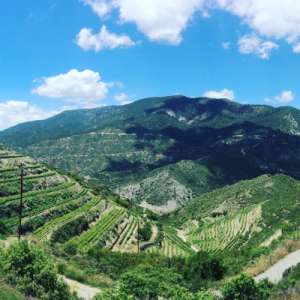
250, 214
60, 210
95, 240
162, 152
56, 207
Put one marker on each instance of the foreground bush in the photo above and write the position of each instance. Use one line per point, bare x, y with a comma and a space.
32, 271
245, 288
151, 283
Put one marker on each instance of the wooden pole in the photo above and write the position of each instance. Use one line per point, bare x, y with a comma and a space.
21, 201
138, 236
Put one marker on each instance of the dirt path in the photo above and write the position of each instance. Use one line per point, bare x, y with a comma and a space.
83, 291
275, 273
154, 235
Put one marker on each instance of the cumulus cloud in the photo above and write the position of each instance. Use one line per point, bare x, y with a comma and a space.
84, 88
224, 94
13, 112
123, 99
104, 39
278, 19
161, 21
101, 7
252, 44
285, 97
165, 21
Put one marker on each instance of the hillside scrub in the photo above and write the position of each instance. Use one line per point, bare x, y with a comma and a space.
245, 288
147, 282
33, 272
197, 271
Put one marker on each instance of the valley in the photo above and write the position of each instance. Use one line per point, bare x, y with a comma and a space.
192, 187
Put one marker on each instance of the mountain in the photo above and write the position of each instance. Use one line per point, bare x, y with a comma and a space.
163, 152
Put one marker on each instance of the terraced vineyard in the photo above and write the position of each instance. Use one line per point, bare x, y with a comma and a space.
226, 233
172, 245
58, 209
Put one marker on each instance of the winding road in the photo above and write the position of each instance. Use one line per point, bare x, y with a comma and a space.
275, 273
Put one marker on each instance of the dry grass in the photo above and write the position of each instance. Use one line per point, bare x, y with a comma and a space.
290, 295
267, 261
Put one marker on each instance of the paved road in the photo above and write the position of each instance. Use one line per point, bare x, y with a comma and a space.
275, 273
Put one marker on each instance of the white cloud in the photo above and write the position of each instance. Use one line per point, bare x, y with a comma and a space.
101, 7
285, 97
278, 19
160, 21
105, 39
252, 44
224, 94
226, 45
296, 48
13, 112
165, 20
84, 88
123, 99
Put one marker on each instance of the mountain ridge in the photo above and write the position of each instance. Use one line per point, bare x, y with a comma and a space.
193, 145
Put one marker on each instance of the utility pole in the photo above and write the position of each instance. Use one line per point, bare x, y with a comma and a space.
138, 236
21, 200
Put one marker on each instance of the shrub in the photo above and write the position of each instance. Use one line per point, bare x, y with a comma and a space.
245, 288
147, 282
33, 272
3, 228
145, 232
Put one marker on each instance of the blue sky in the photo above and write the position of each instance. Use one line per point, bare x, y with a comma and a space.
57, 55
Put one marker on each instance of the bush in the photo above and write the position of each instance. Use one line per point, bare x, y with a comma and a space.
145, 232
245, 288
3, 228
147, 282
33, 272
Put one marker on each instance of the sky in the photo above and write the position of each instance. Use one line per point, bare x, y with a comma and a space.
58, 55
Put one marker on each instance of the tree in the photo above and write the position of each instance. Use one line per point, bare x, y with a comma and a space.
147, 282
245, 288
145, 232
202, 267
33, 272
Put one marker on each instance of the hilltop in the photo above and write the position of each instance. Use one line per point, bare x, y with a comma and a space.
163, 152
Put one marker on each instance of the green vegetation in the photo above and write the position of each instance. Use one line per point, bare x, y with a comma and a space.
30, 270
245, 288
205, 157
165, 149
8, 293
